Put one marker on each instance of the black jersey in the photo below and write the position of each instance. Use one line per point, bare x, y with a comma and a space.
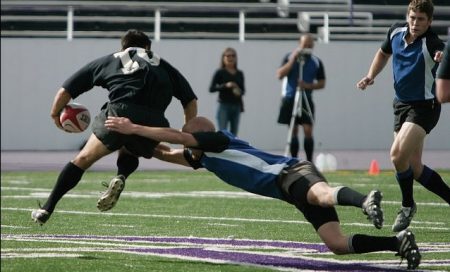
220, 78
133, 76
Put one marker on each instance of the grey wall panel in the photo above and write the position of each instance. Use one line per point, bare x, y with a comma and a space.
33, 70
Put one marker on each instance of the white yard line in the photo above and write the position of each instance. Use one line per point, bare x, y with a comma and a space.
427, 225
44, 193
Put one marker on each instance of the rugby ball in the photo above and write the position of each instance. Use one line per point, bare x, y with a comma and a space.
75, 118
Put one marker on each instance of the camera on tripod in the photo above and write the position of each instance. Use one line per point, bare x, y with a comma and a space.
303, 53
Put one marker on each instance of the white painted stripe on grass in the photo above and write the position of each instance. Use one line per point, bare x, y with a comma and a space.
434, 204
112, 242
44, 193
117, 226
166, 216
223, 225
14, 227
363, 185
14, 188
186, 217
99, 246
39, 255
17, 182
50, 249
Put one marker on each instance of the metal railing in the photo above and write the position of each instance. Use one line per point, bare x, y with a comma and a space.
327, 16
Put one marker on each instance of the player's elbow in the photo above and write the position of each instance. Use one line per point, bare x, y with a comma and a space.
443, 90
280, 74
383, 55
321, 84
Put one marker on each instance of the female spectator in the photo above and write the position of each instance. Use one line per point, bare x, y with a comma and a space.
229, 82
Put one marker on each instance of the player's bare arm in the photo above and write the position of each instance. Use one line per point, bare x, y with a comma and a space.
190, 111
443, 90
317, 85
379, 62
284, 70
62, 98
125, 126
166, 153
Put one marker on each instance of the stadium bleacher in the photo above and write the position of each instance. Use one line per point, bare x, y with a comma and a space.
329, 20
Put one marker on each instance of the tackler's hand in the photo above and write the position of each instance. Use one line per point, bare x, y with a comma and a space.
119, 124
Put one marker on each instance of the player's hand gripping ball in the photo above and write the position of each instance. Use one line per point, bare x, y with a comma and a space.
75, 118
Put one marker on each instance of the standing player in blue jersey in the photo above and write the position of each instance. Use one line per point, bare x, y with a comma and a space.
140, 86
416, 51
295, 181
313, 78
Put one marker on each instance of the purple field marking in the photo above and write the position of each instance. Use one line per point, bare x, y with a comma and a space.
195, 240
265, 260
233, 257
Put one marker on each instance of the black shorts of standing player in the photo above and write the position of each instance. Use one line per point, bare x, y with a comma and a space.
423, 113
285, 114
295, 183
137, 145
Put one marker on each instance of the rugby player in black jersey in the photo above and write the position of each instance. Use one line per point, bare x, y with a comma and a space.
140, 87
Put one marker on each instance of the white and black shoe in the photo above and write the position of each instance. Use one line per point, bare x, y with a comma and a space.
404, 218
109, 198
40, 216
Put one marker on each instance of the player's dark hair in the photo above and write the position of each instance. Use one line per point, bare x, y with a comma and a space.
425, 6
135, 38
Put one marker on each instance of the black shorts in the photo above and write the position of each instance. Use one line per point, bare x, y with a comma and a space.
139, 146
295, 183
285, 114
423, 113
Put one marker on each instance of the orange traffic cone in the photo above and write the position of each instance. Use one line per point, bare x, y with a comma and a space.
374, 168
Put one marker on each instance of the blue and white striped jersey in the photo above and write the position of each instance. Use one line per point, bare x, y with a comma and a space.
412, 64
243, 166
313, 69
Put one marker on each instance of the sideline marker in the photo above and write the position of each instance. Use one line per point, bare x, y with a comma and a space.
374, 168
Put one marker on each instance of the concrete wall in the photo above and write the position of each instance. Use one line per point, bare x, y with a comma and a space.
32, 70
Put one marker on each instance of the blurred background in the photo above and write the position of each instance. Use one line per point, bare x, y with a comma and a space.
44, 42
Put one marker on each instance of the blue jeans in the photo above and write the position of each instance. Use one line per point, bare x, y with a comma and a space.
228, 113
